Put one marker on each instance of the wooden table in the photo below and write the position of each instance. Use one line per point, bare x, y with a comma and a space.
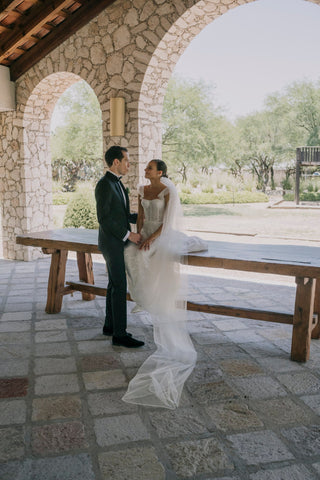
301, 262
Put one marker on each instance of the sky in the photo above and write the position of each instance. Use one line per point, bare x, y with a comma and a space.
254, 50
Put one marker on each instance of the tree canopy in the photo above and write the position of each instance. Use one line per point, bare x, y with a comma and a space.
193, 128
76, 144
196, 133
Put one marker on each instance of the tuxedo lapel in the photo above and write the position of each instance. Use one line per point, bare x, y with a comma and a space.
125, 194
118, 188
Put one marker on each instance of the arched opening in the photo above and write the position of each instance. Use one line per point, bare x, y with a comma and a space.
34, 191
76, 153
36, 171
161, 66
164, 59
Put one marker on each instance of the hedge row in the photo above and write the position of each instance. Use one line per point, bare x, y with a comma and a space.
223, 197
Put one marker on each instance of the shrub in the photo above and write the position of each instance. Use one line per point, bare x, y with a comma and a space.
208, 190
61, 198
81, 212
223, 197
288, 196
310, 196
287, 184
185, 189
304, 197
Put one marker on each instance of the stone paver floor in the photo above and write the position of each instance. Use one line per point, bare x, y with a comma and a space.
247, 413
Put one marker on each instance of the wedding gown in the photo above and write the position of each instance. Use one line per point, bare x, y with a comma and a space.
154, 283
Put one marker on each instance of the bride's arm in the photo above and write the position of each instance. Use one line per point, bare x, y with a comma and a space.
146, 244
140, 218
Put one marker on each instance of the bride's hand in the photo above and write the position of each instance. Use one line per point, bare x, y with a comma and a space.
146, 244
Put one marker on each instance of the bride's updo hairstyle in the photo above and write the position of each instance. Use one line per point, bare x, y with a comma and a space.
161, 166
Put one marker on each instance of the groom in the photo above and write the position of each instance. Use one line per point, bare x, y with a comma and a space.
114, 219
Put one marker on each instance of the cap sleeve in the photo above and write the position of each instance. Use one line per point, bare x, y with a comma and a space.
163, 192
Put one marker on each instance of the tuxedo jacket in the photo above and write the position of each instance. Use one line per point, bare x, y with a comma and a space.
113, 214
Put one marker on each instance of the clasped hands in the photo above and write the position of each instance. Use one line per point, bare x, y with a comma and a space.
137, 239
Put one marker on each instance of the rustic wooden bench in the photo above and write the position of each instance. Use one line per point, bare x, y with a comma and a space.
301, 262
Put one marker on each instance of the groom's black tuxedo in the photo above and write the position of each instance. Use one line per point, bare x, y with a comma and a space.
114, 217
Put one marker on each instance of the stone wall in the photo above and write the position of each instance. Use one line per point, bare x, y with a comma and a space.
129, 50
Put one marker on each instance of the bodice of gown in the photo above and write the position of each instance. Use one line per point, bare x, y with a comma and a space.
153, 212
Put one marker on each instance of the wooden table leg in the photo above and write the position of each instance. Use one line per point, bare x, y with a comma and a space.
85, 272
56, 280
302, 319
316, 310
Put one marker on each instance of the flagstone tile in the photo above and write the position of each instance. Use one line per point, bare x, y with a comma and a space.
23, 326
313, 401
49, 324
51, 336
66, 467
94, 347
12, 412
140, 464
233, 415
12, 443
260, 447
104, 380
208, 393
198, 457
13, 387
54, 365
258, 387
120, 429
99, 362
15, 338
240, 368
300, 383
107, 403
183, 421
58, 437
48, 384
293, 472
282, 411
304, 439
14, 352
14, 368
52, 349
51, 408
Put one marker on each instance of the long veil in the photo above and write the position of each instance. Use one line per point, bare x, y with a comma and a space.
160, 379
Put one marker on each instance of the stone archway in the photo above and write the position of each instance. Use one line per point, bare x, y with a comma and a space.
129, 50
161, 65
28, 203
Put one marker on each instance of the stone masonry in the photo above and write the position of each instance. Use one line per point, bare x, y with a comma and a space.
128, 50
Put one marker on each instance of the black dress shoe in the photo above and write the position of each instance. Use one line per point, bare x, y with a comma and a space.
108, 332
126, 341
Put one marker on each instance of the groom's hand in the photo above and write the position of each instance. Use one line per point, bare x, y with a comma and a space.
135, 238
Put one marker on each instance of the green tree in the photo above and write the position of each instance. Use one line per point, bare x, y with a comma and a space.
190, 125
289, 119
299, 108
260, 146
76, 145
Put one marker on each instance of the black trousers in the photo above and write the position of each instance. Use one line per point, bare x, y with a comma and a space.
116, 301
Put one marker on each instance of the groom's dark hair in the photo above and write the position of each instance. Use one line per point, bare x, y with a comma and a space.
114, 152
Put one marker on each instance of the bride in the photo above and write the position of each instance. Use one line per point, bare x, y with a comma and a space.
154, 283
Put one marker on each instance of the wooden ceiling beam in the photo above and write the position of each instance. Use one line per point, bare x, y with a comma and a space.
7, 7
3, 28
76, 20
30, 25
